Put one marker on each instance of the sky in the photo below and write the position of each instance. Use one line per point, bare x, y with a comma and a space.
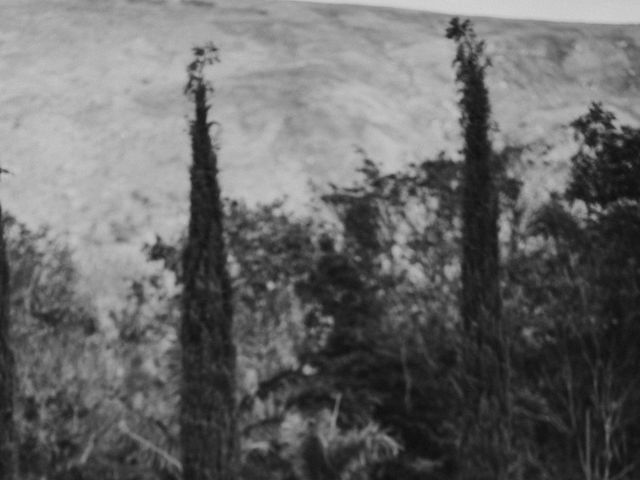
590, 11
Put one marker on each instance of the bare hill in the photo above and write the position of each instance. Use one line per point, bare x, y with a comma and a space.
93, 121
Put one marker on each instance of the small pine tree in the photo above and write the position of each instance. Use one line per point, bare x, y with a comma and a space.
208, 414
7, 430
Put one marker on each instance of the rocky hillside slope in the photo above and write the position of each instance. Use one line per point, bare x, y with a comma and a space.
93, 123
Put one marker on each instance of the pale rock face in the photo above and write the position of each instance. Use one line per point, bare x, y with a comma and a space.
94, 125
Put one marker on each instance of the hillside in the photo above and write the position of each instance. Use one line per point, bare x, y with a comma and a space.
93, 123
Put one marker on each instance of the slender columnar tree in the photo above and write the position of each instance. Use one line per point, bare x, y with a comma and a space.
7, 431
480, 302
208, 416
480, 293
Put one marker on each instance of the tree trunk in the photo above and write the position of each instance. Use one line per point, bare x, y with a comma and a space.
208, 417
7, 430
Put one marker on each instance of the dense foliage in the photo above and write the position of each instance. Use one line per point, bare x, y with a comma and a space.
7, 373
486, 353
208, 433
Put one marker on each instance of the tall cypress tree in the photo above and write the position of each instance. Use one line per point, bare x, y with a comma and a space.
7, 430
487, 354
480, 281
208, 416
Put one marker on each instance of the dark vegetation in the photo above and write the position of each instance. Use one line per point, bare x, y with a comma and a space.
485, 357
425, 324
207, 407
7, 428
